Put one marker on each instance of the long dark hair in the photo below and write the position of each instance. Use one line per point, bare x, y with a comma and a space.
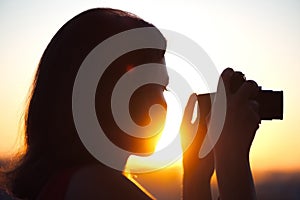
52, 142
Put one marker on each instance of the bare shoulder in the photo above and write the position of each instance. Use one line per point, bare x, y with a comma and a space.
98, 182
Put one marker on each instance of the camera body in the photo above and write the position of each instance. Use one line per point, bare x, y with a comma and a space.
270, 102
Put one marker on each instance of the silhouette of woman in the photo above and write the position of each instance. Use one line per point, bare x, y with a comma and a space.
54, 148
56, 164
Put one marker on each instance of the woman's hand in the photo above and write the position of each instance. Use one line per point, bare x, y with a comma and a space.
232, 149
197, 172
242, 118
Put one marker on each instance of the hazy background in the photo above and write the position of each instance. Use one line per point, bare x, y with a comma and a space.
260, 38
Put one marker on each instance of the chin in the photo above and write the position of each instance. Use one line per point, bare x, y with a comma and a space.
146, 147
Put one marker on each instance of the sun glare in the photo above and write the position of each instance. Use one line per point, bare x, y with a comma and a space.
173, 120
168, 149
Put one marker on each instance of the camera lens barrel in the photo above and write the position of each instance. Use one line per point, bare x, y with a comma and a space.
270, 102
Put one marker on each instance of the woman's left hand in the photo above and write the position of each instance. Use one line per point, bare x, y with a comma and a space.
197, 172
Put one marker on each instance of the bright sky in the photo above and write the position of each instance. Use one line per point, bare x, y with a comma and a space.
260, 38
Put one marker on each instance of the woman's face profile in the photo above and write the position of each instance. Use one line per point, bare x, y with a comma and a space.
148, 95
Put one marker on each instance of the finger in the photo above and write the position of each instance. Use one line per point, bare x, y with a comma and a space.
255, 118
187, 128
207, 118
247, 91
254, 105
226, 78
196, 121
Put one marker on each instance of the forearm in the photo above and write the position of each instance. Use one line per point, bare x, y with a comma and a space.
196, 187
235, 178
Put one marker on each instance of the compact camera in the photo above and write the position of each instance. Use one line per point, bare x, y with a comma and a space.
270, 102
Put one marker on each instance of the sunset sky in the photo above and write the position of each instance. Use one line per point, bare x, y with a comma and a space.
259, 38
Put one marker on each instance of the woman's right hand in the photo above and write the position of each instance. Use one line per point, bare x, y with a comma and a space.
232, 148
242, 119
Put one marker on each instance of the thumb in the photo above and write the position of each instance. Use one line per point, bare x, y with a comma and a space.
187, 129
189, 109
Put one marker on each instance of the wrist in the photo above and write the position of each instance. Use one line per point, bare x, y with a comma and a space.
197, 177
230, 156
234, 177
229, 150
196, 188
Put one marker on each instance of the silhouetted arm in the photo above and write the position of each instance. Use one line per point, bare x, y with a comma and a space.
234, 178
196, 186
232, 149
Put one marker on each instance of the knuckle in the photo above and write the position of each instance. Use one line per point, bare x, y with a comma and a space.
251, 87
226, 71
251, 84
226, 74
254, 105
